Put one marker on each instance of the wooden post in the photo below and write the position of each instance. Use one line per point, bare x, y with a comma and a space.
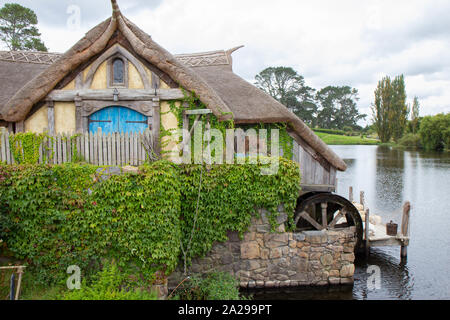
157, 125
324, 215
367, 232
20, 126
78, 114
186, 146
405, 227
350, 194
208, 158
12, 283
362, 199
19, 282
51, 117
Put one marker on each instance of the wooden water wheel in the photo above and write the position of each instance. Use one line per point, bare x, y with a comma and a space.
326, 211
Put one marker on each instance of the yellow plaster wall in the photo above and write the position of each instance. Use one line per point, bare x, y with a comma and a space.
38, 122
163, 85
100, 80
70, 86
168, 121
134, 78
149, 75
65, 121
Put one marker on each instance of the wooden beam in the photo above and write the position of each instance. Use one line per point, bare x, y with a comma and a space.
340, 214
186, 148
124, 94
308, 218
51, 117
389, 242
78, 114
317, 187
156, 125
324, 207
199, 111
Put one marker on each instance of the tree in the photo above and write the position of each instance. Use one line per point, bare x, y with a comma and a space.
381, 109
399, 111
338, 108
18, 28
390, 111
415, 114
435, 132
289, 88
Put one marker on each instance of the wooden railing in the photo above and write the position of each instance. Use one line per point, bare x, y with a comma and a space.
94, 148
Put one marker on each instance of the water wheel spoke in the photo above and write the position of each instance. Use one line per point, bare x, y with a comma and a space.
327, 211
338, 217
305, 215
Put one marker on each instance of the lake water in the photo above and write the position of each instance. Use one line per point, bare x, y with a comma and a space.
389, 178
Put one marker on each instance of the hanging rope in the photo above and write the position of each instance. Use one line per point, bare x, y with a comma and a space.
185, 252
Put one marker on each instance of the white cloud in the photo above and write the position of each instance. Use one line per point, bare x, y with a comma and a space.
330, 42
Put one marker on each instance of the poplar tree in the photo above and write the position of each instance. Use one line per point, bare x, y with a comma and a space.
415, 115
381, 109
398, 119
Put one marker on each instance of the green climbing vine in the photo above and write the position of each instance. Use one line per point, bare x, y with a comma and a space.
192, 102
30, 147
54, 216
26, 147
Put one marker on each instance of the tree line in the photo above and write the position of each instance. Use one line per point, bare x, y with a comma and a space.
332, 107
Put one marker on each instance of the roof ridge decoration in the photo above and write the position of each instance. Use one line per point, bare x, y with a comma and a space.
210, 58
93, 43
214, 58
30, 57
200, 59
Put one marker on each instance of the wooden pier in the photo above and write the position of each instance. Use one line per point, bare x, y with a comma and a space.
375, 234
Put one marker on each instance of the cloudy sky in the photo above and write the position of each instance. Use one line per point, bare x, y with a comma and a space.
329, 42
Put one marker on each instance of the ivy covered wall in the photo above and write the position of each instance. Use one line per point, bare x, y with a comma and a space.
56, 216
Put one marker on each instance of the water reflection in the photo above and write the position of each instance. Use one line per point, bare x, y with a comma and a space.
390, 177
395, 277
389, 183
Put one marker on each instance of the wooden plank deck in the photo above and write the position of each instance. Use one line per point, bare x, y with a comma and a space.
377, 233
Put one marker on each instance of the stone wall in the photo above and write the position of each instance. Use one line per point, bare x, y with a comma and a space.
268, 260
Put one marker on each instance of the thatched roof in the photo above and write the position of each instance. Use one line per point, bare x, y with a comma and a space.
14, 75
93, 43
209, 75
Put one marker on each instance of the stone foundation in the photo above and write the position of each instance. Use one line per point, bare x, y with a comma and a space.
269, 260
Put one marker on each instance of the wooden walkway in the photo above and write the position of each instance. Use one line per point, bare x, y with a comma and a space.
376, 233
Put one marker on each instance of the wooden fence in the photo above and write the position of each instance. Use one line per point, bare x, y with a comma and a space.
94, 148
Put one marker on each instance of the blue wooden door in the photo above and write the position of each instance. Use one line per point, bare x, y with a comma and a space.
117, 119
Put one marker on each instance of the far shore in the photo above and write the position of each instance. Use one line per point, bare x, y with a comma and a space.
332, 139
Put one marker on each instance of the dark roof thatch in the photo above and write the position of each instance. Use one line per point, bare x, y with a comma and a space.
209, 74
14, 75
